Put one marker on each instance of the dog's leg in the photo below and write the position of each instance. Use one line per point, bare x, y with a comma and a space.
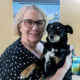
40, 78
43, 79
57, 59
26, 72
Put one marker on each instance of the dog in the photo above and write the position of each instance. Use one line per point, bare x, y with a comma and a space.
54, 53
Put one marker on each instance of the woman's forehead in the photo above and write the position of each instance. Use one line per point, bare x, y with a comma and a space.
32, 14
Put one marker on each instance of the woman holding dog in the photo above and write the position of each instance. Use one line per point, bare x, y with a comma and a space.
30, 24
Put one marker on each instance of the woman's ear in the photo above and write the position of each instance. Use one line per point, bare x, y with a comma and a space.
69, 29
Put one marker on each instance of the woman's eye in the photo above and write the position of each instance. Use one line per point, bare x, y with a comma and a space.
29, 22
39, 23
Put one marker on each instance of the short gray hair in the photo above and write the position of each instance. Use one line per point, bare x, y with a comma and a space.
19, 16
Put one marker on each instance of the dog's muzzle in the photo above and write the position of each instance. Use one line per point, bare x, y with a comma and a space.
53, 38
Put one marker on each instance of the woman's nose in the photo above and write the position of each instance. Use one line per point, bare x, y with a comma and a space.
35, 27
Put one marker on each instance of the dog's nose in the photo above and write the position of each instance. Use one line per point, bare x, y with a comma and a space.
51, 36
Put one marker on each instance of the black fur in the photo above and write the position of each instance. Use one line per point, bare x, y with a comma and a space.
61, 49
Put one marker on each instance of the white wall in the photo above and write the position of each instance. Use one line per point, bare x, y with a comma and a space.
6, 32
70, 14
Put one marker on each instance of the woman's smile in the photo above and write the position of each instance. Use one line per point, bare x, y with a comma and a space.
34, 34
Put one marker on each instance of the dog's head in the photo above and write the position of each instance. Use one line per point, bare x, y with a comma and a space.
57, 32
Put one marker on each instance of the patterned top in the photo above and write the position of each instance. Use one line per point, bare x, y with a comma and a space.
15, 59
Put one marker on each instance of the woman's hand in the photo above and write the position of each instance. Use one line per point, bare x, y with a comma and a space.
68, 62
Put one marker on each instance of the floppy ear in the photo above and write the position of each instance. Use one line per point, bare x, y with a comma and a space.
48, 27
69, 29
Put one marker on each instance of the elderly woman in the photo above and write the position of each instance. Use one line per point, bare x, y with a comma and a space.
30, 24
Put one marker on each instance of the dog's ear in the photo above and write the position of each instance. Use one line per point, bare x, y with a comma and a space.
69, 29
48, 27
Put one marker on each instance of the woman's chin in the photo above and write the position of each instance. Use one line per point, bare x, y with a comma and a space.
34, 40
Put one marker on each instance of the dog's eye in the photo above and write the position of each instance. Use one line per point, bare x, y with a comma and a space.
58, 27
51, 26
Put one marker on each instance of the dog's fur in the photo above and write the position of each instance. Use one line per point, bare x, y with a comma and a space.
55, 51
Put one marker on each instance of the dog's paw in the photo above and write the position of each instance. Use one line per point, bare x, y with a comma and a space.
23, 76
26, 72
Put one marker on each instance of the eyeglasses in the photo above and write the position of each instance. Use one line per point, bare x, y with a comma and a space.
30, 23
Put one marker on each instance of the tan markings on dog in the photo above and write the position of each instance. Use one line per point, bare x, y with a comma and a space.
56, 38
57, 59
40, 78
26, 72
42, 56
44, 79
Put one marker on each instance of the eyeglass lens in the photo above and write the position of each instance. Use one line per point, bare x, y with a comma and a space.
30, 23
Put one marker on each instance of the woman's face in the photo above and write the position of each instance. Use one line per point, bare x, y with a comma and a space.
31, 33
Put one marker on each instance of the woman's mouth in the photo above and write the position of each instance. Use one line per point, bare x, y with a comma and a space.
34, 34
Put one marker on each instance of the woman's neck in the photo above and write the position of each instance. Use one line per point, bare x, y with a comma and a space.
28, 45
32, 47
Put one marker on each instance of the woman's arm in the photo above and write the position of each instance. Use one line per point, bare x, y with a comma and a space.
59, 75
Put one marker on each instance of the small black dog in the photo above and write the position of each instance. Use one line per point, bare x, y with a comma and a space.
55, 51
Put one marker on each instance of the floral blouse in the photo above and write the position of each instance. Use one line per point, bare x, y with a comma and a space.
15, 59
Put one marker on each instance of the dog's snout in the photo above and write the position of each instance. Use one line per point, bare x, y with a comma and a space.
51, 36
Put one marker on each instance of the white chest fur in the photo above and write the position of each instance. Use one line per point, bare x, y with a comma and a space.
48, 55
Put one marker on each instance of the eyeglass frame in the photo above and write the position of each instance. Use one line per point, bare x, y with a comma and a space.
24, 20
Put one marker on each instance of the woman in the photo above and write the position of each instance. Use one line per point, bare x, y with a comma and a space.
30, 24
